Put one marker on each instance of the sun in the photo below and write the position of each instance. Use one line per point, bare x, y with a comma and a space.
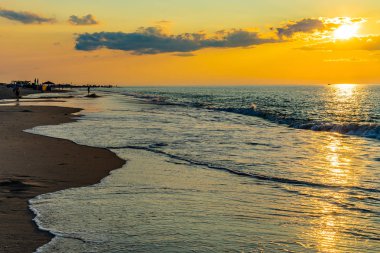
346, 31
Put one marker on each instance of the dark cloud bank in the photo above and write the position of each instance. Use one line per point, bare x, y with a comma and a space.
24, 17
85, 20
153, 40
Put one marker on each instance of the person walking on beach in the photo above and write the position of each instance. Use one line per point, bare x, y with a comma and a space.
17, 92
88, 90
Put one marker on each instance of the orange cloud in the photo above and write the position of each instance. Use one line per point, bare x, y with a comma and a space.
370, 43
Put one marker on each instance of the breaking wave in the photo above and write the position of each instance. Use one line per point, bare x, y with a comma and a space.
368, 130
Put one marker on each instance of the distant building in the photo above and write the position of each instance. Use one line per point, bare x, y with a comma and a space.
21, 83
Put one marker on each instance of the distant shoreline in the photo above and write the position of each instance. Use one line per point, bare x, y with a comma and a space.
33, 165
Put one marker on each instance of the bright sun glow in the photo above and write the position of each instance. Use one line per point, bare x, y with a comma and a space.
346, 31
344, 91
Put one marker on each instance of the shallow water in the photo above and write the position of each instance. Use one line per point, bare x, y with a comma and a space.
200, 179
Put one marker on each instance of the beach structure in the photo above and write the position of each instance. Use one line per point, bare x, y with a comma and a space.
48, 83
47, 86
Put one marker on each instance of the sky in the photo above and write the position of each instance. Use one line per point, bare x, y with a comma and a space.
198, 42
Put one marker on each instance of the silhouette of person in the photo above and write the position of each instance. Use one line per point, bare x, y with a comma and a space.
88, 90
17, 92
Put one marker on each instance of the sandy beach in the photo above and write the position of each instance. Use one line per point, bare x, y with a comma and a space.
200, 126
32, 165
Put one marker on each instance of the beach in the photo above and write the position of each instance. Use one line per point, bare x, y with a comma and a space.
32, 165
216, 180
199, 126
198, 178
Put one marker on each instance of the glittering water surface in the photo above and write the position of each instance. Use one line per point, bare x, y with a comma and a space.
202, 178
344, 108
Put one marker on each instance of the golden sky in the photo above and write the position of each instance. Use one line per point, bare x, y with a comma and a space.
198, 42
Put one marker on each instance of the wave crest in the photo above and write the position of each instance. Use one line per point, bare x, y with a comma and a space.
368, 130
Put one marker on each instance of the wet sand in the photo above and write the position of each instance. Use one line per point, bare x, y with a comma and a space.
32, 165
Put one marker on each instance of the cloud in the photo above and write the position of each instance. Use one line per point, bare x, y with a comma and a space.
85, 20
307, 25
185, 54
312, 25
304, 26
153, 40
369, 43
24, 17
347, 60
163, 22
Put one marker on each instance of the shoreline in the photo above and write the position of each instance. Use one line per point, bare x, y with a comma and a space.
33, 165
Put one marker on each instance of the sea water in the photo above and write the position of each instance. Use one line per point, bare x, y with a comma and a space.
224, 169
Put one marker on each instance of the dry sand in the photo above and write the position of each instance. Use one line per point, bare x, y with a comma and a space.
31, 165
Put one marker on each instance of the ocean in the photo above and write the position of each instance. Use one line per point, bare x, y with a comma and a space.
223, 169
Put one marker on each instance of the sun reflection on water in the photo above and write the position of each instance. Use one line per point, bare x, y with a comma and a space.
329, 228
339, 170
345, 90
344, 103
